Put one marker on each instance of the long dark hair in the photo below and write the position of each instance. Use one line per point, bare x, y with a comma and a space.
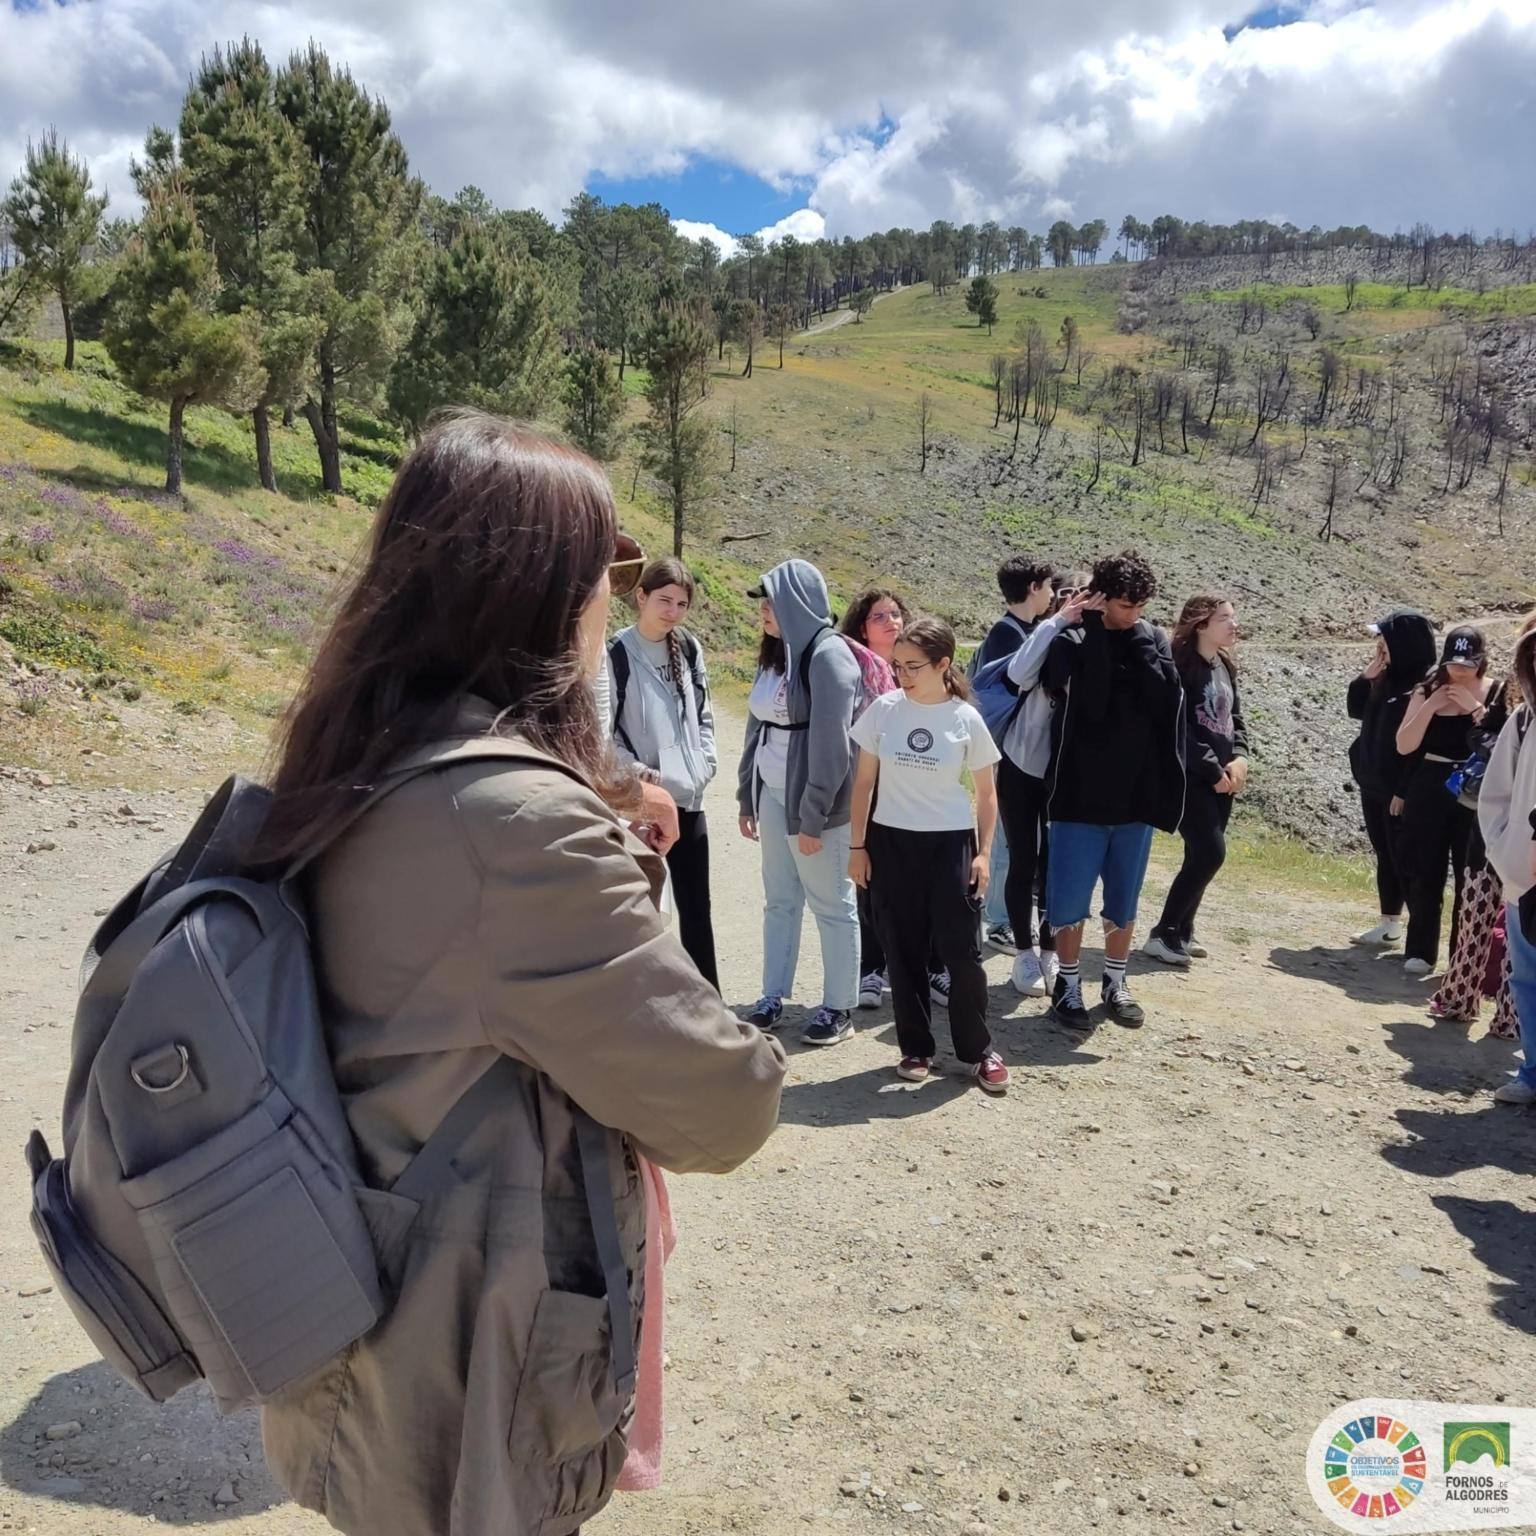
856, 620
936, 640
1196, 614
670, 572
490, 543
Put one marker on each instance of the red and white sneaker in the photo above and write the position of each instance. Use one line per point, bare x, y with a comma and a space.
991, 1073
915, 1068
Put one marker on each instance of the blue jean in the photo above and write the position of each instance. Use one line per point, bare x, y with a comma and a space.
997, 907
1083, 852
792, 881
1522, 988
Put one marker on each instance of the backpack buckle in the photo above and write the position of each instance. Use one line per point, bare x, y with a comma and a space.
166, 1056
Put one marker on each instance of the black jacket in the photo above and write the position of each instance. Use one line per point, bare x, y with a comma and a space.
1209, 747
1118, 732
1380, 704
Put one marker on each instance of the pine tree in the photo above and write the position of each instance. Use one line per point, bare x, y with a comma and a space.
678, 446
54, 222
594, 402
483, 337
239, 158
356, 202
981, 300
165, 332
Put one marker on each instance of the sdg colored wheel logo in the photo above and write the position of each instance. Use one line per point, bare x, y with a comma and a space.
1375, 1466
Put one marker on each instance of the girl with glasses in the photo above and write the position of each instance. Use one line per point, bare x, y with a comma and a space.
924, 851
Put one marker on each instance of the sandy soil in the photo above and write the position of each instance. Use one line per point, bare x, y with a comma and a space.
1123, 1296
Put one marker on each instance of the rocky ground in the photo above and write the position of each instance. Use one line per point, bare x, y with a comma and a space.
1120, 1298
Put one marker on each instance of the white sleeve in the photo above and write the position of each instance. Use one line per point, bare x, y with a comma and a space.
980, 750
1028, 662
602, 696
1495, 804
865, 731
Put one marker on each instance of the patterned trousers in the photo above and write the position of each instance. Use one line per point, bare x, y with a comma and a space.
1461, 993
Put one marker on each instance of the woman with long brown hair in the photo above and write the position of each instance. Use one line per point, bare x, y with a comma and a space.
924, 851
489, 911
663, 723
1215, 766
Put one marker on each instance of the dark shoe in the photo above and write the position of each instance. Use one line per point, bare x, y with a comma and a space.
1122, 1007
1000, 937
831, 1026
767, 1013
938, 988
1067, 1006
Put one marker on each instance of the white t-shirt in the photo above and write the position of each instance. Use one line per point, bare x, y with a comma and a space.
769, 701
923, 751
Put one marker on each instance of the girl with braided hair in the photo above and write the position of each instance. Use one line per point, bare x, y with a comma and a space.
663, 723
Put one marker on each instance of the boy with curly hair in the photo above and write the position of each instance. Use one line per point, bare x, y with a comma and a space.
1117, 772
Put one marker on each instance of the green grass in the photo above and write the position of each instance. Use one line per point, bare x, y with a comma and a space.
1515, 299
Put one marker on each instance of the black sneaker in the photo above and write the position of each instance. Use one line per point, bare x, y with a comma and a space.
1000, 937
1122, 1007
831, 1026
1067, 1006
767, 1013
938, 988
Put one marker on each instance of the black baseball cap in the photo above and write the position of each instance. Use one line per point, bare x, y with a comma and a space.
1463, 646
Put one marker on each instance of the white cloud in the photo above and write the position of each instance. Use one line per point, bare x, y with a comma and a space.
902, 113
803, 224
691, 229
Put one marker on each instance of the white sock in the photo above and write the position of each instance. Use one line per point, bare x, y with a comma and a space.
1073, 976
1114, 974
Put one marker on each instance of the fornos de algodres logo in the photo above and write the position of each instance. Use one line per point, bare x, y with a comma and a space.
919, 740
1375, 1466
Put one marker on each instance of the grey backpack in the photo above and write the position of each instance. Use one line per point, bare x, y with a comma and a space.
205, 1220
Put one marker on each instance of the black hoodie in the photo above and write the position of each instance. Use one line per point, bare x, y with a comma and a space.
1118, 733
1379, 704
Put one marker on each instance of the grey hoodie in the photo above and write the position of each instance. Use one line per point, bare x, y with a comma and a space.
818, 786
670, 733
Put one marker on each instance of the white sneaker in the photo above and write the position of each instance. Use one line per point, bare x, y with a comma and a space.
1028, 974
1196, 950
871, 990
1417, 967
1517, 1091
1050, 968
1387, 932
1159, 949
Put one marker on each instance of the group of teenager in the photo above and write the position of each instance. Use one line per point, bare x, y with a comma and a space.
1446, 789
922, 811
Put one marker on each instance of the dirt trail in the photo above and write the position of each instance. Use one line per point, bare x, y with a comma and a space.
1123, 1296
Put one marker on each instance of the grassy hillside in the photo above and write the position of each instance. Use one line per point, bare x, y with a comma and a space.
113, 595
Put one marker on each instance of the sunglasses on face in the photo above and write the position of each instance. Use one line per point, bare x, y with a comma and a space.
625, 567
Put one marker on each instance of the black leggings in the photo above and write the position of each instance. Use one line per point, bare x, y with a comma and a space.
922, 902
1435, 828
1380, 827
688, 864
1204, 830
1021, 800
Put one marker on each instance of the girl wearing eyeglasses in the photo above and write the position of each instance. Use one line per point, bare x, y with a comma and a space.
928, 848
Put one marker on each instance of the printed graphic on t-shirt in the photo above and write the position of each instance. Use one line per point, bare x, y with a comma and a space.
1214, 711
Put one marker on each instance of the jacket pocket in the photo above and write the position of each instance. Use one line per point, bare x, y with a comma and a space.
567, 1409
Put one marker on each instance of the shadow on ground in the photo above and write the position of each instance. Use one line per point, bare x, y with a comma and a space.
1442, 1058
1503, 1239
1368, 976
128, 1450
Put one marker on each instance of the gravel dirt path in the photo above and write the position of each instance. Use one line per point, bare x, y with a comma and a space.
1121, 1297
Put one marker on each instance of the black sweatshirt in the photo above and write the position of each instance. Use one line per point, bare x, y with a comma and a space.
1118, 735
1214, 718
1380, 704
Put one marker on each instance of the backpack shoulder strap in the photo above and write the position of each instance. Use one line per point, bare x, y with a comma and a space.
618, 661
695, 658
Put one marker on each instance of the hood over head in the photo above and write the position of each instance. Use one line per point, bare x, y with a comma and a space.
801, 603
1410, 641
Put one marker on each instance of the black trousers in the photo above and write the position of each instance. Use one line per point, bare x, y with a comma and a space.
922, 901
871, 950
1021, 801
688, 864
1434, 829
1204, 830
1382, 831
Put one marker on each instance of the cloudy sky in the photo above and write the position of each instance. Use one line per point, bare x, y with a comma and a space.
799, 115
